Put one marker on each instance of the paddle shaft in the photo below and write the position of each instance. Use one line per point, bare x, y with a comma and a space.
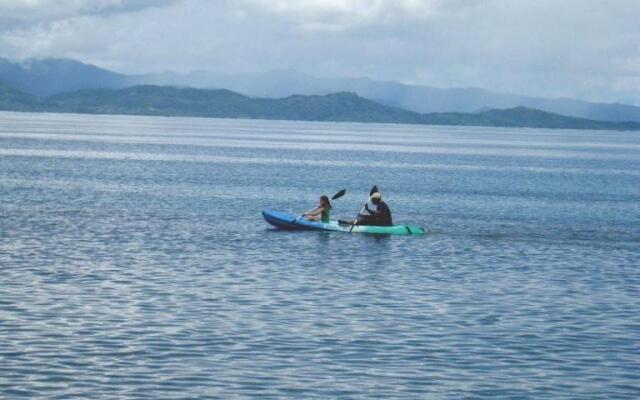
371, 192
355, 221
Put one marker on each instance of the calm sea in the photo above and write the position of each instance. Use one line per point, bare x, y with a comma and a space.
135, 264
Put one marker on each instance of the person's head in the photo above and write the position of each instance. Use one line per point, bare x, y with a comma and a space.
324, 201
376, 198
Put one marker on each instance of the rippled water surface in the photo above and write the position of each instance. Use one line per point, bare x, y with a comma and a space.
134, 262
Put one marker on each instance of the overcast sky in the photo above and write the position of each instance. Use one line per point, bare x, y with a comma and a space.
578, 48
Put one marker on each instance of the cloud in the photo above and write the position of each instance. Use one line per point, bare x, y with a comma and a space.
575, 48
65, 28
340, 15
21, 14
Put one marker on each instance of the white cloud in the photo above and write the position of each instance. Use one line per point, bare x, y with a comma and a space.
340, 15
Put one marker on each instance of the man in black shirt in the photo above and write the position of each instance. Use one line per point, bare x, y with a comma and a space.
381, 216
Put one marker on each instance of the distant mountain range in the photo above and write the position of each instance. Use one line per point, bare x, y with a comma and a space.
222, 103
423, 99
53, 76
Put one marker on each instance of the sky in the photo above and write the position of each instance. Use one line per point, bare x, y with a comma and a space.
588, 49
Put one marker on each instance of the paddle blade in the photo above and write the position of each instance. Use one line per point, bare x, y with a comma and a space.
339, 194
373, 190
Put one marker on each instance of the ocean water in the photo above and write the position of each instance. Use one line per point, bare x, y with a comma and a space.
134, 262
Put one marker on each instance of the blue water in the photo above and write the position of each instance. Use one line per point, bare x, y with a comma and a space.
134, 263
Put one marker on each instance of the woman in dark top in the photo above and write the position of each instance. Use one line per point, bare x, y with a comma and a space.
380, 217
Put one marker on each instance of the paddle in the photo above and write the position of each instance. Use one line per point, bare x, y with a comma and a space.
373, 190
339, 194
334, 197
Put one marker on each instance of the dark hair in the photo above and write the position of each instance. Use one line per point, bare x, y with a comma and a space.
325, 199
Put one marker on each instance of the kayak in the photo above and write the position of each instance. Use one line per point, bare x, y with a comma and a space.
291, 222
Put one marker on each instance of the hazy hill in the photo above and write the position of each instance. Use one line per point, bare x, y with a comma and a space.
423, 99
524, 117
50, 76
171, 101
15, 100
163, 100
53, 76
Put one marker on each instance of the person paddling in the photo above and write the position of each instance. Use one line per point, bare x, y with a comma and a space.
321, 212
380, 217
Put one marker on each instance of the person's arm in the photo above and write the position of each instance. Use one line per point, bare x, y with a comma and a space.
371, 212
315, 211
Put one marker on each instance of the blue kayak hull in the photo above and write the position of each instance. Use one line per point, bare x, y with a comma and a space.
285, 221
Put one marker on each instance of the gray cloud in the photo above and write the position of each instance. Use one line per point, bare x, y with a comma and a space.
578, 48
19, 13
